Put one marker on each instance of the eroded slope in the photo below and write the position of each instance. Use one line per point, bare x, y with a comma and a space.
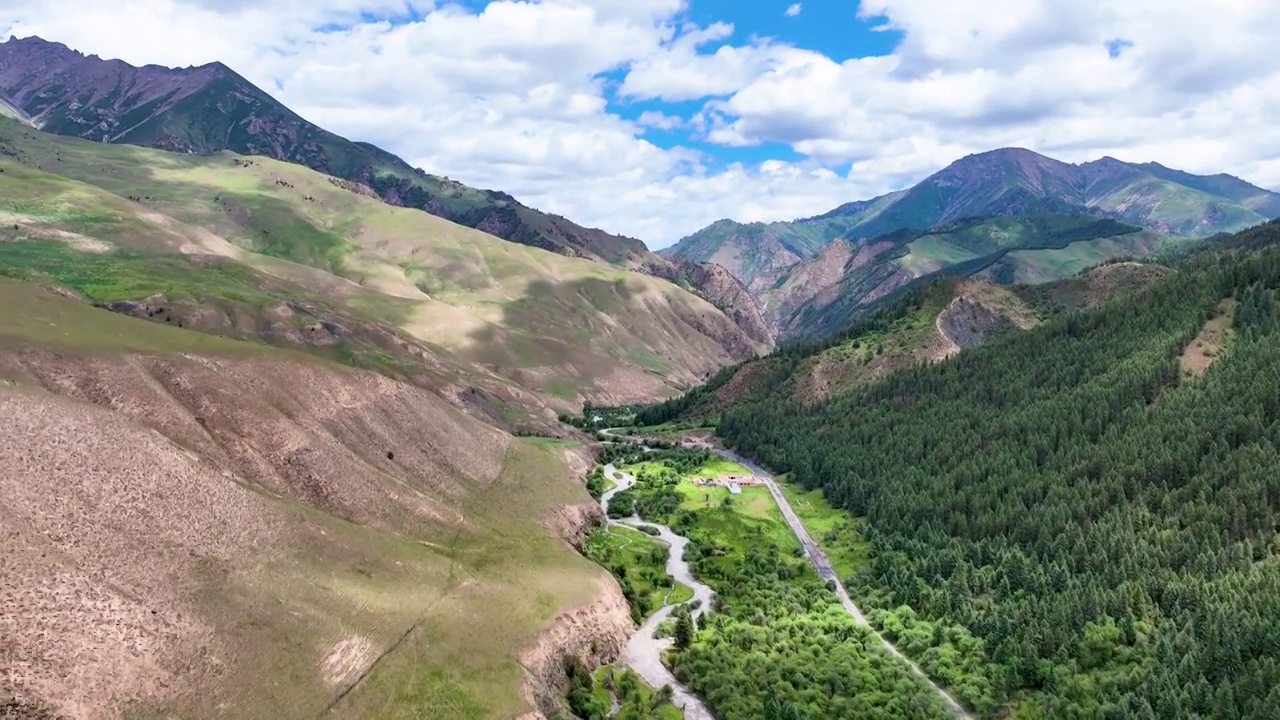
201, 527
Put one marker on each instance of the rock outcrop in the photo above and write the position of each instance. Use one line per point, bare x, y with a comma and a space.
594, 634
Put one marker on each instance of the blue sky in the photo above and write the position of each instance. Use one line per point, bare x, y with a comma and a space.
603, 110
829, 27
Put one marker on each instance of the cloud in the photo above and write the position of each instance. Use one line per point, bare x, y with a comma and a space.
660, 120
534, 97
793, 10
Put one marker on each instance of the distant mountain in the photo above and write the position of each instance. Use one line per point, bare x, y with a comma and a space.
845, 279
1005, 182
752, 252
1009, 215
210, 108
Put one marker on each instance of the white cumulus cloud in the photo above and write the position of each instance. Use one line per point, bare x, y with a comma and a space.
793, 10
532, 97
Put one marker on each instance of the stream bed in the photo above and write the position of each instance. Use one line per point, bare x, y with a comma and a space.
643, 653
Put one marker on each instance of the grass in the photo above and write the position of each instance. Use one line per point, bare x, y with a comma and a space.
666, 711
754, 501
491, 301
931, 253
130, 274
832, 528
552, 442
510, 578
36, 316
645, 561
1040, 266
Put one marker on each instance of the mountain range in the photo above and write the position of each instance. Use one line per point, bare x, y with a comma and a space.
775, 280
282, 439
1014, 214
211, 108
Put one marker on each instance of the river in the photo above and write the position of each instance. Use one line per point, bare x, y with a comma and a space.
643, 653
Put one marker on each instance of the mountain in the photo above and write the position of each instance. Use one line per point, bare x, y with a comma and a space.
925, 323
752, 252
294, 487
821, 294
1014, 214
210, 108
719, 287
258, 248
1022, 504
197, 525
1014, 181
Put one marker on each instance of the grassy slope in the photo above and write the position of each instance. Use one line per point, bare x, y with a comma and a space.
9, 111
488, 300
839, 535
1178, 208
504, 574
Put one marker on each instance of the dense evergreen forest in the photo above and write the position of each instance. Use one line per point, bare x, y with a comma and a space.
1083, 529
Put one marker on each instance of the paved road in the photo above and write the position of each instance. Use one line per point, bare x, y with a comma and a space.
644, 650
823, 566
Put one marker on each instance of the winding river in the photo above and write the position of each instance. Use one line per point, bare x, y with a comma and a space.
644, 650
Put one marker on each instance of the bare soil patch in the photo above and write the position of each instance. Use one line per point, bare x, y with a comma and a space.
154, 512
1210, 343
347, 659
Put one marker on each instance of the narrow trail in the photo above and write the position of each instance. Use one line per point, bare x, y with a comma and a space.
820, 563
643, 653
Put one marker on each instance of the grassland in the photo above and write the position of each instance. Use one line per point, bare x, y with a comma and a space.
1045, 265
639, 562
565, 327
278, 597
839, 535
931, 253
511, 580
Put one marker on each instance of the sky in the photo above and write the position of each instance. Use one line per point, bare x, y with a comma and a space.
654, 118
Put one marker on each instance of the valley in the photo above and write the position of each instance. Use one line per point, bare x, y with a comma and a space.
1097, 414
295, 429
711, 525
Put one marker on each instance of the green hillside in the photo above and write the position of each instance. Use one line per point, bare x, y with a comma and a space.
211, 108
260, 530
1069, 521
227, 242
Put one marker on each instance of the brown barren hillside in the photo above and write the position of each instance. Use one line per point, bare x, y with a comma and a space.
198, 527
